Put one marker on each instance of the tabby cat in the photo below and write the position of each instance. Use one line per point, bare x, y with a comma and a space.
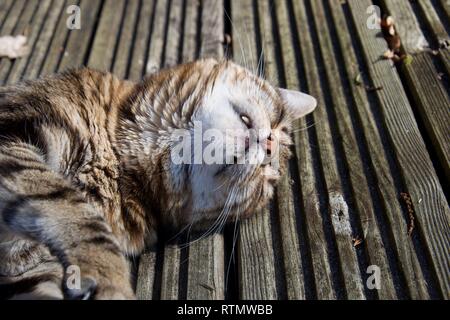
87, 176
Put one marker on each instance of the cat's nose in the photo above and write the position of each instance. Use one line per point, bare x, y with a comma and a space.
269, 145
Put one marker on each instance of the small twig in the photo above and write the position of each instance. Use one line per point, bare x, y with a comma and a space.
371, 88
407, 199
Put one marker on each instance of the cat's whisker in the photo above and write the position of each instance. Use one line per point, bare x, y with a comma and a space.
235, 33
212, 228
235, 234
304, 128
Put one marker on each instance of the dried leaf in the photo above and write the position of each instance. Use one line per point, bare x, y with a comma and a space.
358, 80
357, 241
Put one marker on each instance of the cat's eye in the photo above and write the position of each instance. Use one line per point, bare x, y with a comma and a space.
246, 120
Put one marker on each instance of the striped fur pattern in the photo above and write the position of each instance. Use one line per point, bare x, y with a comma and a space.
86, 176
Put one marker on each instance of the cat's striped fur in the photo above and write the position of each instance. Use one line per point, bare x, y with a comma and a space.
86, 176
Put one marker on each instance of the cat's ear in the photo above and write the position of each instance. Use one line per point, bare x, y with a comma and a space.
297, 104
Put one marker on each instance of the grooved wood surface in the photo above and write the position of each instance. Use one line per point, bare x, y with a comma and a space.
380, 129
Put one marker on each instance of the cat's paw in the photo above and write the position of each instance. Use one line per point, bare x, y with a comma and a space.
92, 289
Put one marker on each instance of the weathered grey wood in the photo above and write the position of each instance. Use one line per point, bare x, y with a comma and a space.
446, 5
256, 263
12, 17
120, 63
78, 42
359, 184
173, 34
33, 33
407, 26
292, 256
431, 207
212, 28
146, 276
206, 269
42, 43
5, 6
435, 23
439, 33
56, 48
337, 205
16, 27
206, 257
409, 264
106, 36
429, 92
170, 273
244, 34
256, 259
309, 193
154, 59
293, 272
141, 42
190, 30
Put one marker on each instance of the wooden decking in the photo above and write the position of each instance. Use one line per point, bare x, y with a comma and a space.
380, 130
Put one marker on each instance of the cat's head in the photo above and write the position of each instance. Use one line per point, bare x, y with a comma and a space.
223, 137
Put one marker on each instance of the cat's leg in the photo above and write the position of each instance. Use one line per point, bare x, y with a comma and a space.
38, 203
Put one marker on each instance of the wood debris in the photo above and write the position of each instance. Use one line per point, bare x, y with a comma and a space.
409, 205
13, 47
392, 38
357, 241
358, 81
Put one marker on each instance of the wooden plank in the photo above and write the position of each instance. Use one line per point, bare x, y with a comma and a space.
417, 286
445, 4
34, 31
103, 48
206, 257
142, 39
308, 191
172, 42
155, 54
190, 30
430, 95
439, 33
431, 207
171, 273
256, 263
292, 255
56, 48
5, 7
12, 17
337, 203
359, 184
42, 43
146, 276
16, 27
78, 41
8, 24
435, 23
121, 61
212, 35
